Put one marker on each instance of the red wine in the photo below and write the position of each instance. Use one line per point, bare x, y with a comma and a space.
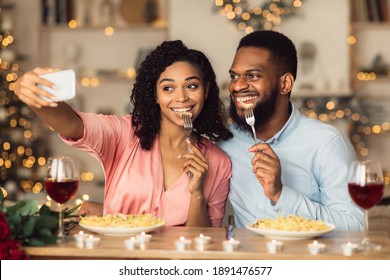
366, 196
61, 192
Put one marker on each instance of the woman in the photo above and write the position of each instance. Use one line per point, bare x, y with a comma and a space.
144, 154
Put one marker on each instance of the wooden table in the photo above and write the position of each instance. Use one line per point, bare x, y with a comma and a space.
162, 246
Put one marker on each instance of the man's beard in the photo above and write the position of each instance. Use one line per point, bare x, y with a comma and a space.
263, 112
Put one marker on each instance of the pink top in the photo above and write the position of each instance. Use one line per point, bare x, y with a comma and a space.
135, 179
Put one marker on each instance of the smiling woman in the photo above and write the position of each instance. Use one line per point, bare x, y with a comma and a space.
145, 155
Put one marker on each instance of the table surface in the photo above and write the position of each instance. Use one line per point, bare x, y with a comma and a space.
252, 246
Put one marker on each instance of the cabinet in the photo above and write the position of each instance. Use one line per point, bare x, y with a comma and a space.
370, 77
104, 51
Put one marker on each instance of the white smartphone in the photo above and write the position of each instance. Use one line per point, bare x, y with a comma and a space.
65, 82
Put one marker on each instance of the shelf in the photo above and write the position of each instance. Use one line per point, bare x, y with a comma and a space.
320, 93
140, 26
371, 25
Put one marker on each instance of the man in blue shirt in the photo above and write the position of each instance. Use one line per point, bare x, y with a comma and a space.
298, 164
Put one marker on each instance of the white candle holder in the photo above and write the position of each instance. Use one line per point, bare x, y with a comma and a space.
230, 245
79, 237
202, 240
274, 246
182, 243
316, 248
131, 243
143, 237
349, 248
91, 242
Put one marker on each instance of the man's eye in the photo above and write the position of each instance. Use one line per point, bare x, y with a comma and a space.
252, 76
233, 77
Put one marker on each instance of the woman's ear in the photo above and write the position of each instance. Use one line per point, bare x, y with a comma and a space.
286, 83
206, 90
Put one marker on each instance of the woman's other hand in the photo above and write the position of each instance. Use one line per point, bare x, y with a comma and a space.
197, 165
91, 209
28, 91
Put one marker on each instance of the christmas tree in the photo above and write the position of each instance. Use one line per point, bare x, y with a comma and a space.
23, 149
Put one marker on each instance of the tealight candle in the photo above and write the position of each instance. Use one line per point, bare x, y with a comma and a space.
143, 238
274, 246
131, 243
91, 241
315, 248
182, 243
202, 240
230, 245
349, 248
79, 237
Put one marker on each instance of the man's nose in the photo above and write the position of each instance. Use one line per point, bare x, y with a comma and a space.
240, 84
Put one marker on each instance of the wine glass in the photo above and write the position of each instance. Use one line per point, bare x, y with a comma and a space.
366, 187
62, 181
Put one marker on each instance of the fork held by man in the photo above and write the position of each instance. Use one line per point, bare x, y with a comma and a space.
250, 120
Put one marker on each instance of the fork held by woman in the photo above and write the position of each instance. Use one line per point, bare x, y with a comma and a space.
187, 128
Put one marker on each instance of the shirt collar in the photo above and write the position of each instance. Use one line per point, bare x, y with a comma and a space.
291, 124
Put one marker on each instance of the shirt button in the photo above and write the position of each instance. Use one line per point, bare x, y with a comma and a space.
260, 206
279, 211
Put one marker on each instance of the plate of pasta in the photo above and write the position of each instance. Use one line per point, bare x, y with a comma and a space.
291, 227
121, 224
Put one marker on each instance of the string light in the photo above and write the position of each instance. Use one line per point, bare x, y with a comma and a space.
266, 16
328, 109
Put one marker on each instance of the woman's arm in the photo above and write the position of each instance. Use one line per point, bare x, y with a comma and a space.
197, 165
59, 116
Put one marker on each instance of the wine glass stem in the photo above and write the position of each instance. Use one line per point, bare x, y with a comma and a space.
60, 223
365, 228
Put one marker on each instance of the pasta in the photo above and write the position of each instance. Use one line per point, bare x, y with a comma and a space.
290, 223
122, 220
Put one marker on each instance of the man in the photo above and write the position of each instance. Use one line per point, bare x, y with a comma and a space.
298, 165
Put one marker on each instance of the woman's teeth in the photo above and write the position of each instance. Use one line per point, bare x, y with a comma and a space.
182, 111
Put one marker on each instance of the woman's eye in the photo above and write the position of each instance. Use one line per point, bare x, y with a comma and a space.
193, 86
167, 88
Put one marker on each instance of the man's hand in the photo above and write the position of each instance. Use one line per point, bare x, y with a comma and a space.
266, 167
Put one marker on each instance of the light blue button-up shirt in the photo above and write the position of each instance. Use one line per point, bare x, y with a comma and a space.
314, 158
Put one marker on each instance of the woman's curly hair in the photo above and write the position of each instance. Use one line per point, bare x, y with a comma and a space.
146, 113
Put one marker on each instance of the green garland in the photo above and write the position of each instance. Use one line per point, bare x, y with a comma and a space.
31, 225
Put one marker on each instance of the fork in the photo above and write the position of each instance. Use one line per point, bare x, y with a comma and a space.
188, 130
187, 127
250, 120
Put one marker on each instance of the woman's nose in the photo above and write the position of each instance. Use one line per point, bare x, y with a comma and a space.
182, 95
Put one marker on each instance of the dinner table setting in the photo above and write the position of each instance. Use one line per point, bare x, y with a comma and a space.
144, 236
201, 243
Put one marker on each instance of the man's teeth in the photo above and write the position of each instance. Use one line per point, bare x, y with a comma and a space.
246, 98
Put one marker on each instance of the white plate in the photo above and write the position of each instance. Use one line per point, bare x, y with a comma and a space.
121, 231
290, 235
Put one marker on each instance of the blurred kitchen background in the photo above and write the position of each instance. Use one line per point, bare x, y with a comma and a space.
343, 79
